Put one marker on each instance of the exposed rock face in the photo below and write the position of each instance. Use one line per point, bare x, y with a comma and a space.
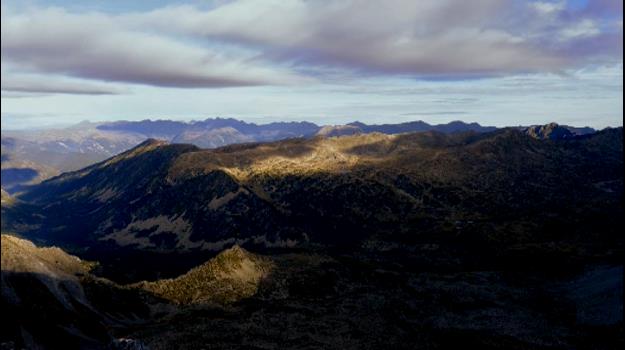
55, 270
51, 301
21, 255
551, 131
339, 130
43, 298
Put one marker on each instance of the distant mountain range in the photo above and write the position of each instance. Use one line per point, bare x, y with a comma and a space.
231, 130
212, 133
28, 157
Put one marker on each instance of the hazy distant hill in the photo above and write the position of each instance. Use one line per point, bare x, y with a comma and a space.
172, 130
28, 157
212, 138
451, 127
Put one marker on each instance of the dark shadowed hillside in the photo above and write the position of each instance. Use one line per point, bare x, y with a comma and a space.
488, 240
240, 299
497, 193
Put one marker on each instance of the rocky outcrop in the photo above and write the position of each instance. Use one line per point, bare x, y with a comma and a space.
554, 131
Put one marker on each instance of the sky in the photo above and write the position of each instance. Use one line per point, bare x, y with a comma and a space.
496, 62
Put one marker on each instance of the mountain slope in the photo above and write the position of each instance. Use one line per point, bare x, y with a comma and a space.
156, 203
232, 275
50, 301
492, 192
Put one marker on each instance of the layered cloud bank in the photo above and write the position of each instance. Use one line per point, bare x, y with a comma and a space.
243, 42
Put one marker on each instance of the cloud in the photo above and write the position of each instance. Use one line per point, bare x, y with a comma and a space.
583, 29
36, 85
548, 7
249, 43
430, 38
97, 46
12, 94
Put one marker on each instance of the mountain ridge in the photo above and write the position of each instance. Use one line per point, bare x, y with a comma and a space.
29, 157
294, 193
